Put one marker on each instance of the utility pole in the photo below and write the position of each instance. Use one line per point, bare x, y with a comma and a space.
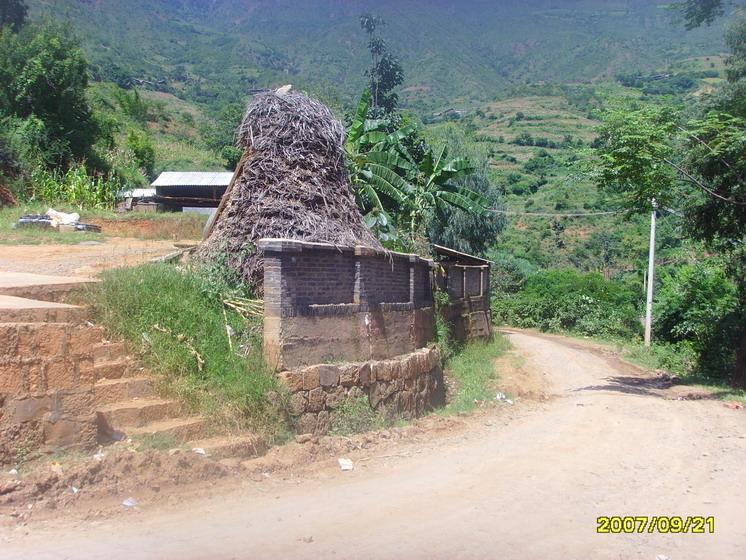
650, 278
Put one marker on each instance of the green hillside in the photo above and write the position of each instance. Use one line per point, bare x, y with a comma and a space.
454, 53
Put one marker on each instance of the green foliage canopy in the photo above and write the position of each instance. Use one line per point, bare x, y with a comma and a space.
44, 76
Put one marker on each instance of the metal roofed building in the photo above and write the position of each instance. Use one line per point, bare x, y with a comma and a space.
191, 188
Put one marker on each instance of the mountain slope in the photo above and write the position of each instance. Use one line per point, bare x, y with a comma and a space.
214, 51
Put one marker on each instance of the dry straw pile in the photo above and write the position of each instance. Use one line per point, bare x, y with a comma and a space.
293, 184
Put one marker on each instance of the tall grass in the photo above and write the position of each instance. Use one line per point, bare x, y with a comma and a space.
473, 372
175, 318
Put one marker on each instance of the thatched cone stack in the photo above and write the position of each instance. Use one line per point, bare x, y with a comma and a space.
293, 185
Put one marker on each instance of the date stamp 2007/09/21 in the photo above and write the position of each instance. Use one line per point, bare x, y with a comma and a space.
655, 524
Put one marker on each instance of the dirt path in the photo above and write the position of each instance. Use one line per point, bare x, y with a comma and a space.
87, 258
526, 481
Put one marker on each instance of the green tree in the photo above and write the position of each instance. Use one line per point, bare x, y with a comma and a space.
385, 73
699, 12
13, 13
144, 151
43, 74
698, 305
220, 136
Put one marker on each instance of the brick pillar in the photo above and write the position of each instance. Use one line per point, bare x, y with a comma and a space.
279, 295
412, 262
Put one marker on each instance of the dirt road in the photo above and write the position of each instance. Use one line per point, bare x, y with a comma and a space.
84, 259
524, 484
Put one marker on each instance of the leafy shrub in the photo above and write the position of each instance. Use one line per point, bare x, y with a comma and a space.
698, 305
557, 300
143, 149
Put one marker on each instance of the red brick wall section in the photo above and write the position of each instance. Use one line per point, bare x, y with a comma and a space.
468, 288
344, 322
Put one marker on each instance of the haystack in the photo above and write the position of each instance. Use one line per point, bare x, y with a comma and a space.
291, 183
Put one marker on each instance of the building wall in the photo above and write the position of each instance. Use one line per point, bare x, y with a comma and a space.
324, 303
342, 314
468, 311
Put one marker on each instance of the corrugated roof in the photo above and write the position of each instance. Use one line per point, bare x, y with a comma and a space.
458, 255
193, 179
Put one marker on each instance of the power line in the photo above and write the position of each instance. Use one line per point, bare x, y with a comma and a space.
553, 214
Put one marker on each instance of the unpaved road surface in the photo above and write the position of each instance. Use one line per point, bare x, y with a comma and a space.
528, 483
84, 259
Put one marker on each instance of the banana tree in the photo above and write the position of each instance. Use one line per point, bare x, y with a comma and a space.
387, 178
374, 159
434, 188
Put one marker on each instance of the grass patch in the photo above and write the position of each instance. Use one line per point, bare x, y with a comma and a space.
159, 442
155, 225
175, 317
674, 359
355, 415
472, 371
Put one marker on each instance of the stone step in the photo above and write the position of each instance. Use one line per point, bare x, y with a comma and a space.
183, 429
21, 310
117, 369
135, 413
107, 352
109, 391
41, 286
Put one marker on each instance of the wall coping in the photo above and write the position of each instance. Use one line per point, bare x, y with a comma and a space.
282, 245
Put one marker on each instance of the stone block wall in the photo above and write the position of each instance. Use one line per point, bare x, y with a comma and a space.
46, 386
406, 386
348, 322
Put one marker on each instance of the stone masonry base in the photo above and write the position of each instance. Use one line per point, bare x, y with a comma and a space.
406, 386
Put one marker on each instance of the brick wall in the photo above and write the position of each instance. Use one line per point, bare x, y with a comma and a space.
468, 288
344, 322
324, 303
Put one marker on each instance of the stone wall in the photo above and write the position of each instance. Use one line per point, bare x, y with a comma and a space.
468, 311
406, 386
349, 322
46, 386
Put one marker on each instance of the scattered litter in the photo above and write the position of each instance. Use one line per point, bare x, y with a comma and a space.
661, 557
500, 396
346, 464
509, 401
308, 539
55, 220
734, 405
199, 451
62, 218
74, 490
13, 472
129, 502
99, 456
